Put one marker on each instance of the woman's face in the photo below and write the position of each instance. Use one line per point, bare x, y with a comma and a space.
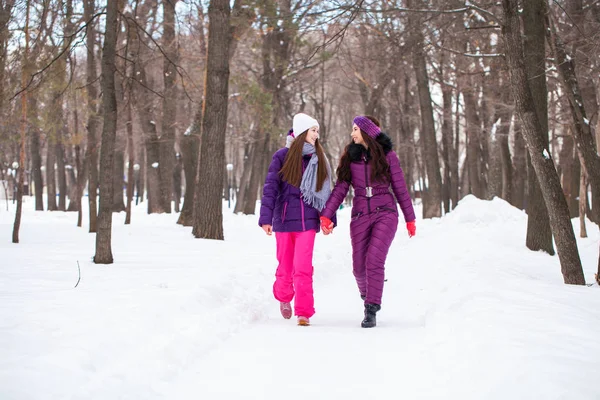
312, 135
357, 135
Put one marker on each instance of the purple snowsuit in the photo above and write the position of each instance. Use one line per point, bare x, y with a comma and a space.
374, 219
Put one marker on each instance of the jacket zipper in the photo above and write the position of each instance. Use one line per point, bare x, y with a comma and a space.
302, 209
367, 184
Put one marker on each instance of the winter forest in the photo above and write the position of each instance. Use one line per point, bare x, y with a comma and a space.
175, 108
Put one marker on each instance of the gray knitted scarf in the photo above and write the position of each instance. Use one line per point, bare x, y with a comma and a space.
308, 186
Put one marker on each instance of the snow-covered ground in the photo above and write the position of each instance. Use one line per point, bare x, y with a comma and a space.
468, 313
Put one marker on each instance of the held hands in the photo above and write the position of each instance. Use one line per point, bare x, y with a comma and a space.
268, 229
326, 225
411, 228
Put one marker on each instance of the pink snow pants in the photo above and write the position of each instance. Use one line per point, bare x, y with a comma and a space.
295, 271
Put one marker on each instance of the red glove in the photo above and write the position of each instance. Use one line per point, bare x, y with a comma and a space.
326, 225
411, 228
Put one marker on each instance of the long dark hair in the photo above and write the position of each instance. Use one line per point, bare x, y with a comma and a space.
291, 172
380, 169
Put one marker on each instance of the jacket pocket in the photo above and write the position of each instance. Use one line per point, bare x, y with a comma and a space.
356, 216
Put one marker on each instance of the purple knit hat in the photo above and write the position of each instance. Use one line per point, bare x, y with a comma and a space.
367, 126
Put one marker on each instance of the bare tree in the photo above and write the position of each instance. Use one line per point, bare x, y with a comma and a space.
24, 79
539, 234
93, 122
109, 131
560, 221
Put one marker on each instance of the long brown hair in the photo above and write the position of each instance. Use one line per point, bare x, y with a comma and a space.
291, 172
380, 168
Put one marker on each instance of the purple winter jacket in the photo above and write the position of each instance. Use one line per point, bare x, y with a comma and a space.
281, 205
382, 199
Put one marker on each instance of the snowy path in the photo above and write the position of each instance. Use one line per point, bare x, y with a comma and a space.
468, 313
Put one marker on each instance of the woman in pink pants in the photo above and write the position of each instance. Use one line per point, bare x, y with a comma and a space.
295, 191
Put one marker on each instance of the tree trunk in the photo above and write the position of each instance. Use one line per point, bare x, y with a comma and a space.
473, 142
520, 168
109, 132
582, 205
118, 181
208, 218
433, 208
169, 105
81, 178
447, 145
539, 234
61, 173
534, 137
245, 179
190, 148
570, 171
51, 174
91, 157
131, 159
36, 157
177, 181
21, 168
582, 133
506, 117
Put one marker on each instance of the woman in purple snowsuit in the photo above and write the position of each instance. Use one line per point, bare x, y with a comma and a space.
372, 168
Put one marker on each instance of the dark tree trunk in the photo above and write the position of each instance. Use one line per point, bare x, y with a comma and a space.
81, 178
534, 137
109, 132
582, 133
433, 207
208, 218
36, 157
131, 158
61, 173
520, 169
570, 171
539, 234
447, 146
169, 105
118, 181
190, 148
91, 157
177, 181
23, 128
473, 142
245, 179
51, 174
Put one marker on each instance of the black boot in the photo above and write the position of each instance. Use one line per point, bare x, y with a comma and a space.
370, 311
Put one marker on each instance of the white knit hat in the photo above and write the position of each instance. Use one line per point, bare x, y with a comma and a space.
303, 122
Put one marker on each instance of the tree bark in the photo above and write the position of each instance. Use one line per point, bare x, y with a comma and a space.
208, 219
109, 132
539, 234
91, 157
534, 137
